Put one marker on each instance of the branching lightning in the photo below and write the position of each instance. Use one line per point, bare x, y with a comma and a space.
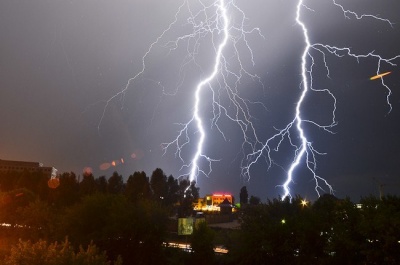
197, 117
305, 147
304, 150
223, 79
222, 23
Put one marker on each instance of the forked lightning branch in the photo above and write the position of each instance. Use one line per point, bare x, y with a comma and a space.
223, 24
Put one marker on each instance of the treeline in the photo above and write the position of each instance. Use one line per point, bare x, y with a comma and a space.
109, 221
127, 220
167, 191
329, 231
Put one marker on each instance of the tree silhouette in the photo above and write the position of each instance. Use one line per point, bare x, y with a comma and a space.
202, 242
138, 187
88, 185
244, 196
101, 184
115, 183
67, 193
158, 184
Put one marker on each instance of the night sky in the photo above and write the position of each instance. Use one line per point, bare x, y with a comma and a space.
62, 60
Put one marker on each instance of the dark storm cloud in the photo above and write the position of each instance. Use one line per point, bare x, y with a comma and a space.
60, 61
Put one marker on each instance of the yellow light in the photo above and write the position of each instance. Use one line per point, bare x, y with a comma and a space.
379, 76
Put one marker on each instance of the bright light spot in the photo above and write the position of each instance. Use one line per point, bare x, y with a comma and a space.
53, 183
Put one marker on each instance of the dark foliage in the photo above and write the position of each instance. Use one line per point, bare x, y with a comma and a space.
331, 231
243, 196
130, 220
124, 219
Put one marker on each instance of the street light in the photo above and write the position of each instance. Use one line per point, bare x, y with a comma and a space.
304, 202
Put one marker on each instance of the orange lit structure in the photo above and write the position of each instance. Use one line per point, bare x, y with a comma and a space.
217, 199
211, 202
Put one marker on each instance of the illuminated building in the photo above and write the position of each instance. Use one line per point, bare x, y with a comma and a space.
21, 166
211, 202
217, 199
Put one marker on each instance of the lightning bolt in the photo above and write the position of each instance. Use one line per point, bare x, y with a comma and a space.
223, 79
197, 117
305, 148
307, 73
222, 23
304, 152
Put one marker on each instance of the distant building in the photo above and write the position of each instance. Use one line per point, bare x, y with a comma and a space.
21, 166
211, 202
217, 199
